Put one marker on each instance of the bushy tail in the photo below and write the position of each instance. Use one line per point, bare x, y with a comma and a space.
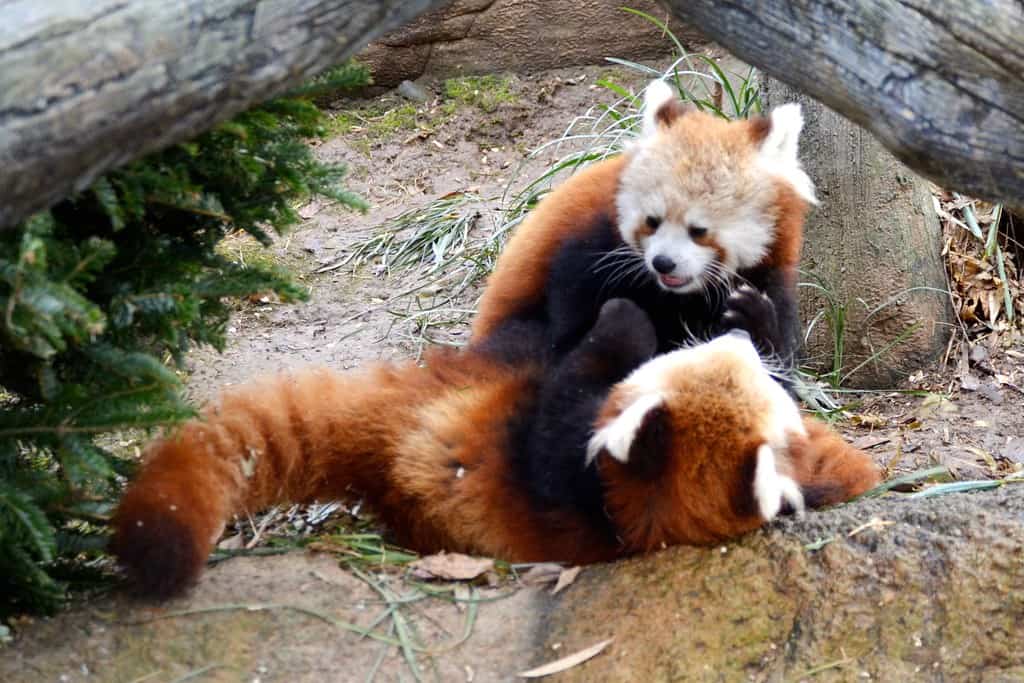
291, 438
828, 469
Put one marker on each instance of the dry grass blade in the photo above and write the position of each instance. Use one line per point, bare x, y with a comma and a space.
565, 579
568, 662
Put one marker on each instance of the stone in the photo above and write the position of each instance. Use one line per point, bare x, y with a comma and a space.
485, 36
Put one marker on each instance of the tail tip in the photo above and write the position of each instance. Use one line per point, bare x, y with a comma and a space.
160, 553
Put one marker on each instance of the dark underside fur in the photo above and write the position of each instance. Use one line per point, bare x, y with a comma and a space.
585, 274
549, 439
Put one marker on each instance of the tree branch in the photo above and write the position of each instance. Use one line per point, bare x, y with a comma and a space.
87, 86
939, 82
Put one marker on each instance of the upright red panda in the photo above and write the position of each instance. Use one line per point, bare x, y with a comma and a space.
695, 446
697, 205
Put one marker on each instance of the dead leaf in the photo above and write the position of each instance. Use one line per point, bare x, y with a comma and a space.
969, 383
565, 579
566, 663
235, 542
541, 573
984, 456
868, 420
1014, 449
451, 567
869, 441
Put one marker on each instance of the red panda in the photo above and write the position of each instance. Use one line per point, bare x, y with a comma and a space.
695, 446
697, 205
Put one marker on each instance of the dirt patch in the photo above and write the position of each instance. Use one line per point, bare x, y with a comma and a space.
269, 619
458, 141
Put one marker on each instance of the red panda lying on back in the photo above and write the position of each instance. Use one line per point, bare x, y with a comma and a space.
694, 207
695, 446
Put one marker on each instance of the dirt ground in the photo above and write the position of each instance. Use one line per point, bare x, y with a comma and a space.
965, 415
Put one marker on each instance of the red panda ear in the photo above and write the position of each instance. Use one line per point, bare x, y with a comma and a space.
669, 112
652, 444
618, 437
758, 128
661, 107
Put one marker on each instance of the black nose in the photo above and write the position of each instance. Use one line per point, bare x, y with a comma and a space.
663, 264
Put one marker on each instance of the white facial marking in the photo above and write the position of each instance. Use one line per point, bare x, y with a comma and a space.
657, 94
617, 436
778, 152
772, 488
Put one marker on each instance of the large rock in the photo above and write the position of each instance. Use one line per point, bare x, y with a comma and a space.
480, 36
890, 590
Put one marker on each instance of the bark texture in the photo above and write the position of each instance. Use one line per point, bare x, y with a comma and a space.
875, 244
481, 36
939, 82
86, 86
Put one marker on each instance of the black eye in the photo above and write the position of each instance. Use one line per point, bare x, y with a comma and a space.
653, 222
697, 232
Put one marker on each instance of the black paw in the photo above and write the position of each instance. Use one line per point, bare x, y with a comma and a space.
623, 325
753, 312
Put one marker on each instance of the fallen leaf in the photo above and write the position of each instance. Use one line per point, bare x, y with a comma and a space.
984, 456
235, 542
1014, 449
565, 579
869, 441
541, 573
969, 383
566, 663
451, 567
867, 420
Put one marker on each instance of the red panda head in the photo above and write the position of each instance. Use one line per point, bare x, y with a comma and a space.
693, 446
701, 197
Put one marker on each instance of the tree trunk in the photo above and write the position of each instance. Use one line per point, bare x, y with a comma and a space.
874, 291
939, 82
86, 86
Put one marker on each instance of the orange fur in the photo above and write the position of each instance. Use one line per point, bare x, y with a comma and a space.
519, 278
427, 449
706, 155
828, 469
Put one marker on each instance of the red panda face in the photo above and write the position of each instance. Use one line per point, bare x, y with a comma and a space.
693, 446
698, 197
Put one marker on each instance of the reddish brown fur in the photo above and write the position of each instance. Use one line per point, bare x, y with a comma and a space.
425, 448
395, 437
704, 493
519, 279
828, 469
522, 270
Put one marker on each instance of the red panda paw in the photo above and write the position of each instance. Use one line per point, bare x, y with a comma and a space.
773, 491
753, 312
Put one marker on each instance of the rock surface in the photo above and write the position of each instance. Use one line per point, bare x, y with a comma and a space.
482, 36
889, 590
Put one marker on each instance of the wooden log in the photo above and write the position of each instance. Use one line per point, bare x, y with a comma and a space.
875, 295
86, 86
939, 82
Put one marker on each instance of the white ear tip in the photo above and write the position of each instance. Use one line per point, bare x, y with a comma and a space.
657, 93
790, 116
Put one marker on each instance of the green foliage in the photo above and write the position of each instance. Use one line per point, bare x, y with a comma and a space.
484, 92
99, 294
